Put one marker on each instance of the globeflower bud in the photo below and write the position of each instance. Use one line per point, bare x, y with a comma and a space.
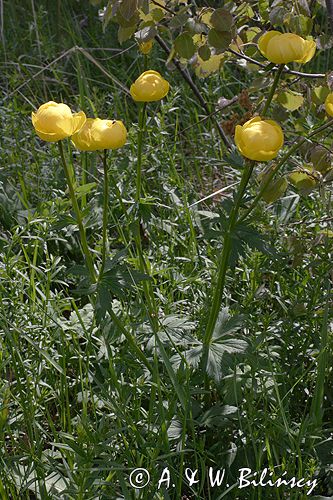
150, 86
54, 121
283, 48
259, 139
145, 47
99, 134
329, 104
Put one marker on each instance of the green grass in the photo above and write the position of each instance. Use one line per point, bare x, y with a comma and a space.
80, 407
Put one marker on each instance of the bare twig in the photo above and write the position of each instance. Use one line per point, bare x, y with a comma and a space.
222, 190
164, 7
195, 90
213, 113
329, 5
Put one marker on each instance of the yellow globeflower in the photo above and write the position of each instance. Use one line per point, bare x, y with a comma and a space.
54, 121
150, 86
83, 139
283, 48
259, 139
329, 104
99, 134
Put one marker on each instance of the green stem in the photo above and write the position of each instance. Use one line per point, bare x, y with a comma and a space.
274, 170
141, 127
318, 397
105, 212
130, 339
84, 179
224, 263
273, 88
149, 294
83, 237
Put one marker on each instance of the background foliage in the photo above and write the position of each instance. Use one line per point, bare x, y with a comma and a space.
78, 410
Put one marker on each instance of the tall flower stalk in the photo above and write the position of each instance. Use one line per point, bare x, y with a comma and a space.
252, 143
224, 262
141, 129
148, 87
148, 291
77, 211
105, 212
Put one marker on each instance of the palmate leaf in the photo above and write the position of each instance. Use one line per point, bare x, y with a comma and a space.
224, 342
192, 357
245, 236
175, 331
226, 324
217, 349
116, 282
217, 416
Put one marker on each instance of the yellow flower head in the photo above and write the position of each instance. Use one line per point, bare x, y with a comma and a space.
283, 48
259, 139
145, 47
150, 86
329, 104
54, 121
99, 134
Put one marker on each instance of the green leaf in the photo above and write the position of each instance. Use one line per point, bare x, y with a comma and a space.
302, 25
184, 46
178, 21
125, 34
126, 23
219, 39
302, 180
128, 8
290, 100
85, 189
275, 190
319, 94
224, 341
247, 236
204, 52
321, 159
218, 416
64, 221
226, 324
277, 15
43, 353
264, 9
221, 20
178, 388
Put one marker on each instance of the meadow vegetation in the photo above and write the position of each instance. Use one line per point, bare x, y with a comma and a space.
100, 377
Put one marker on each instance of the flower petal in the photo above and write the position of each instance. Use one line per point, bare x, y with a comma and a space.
265, 38
79, 120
